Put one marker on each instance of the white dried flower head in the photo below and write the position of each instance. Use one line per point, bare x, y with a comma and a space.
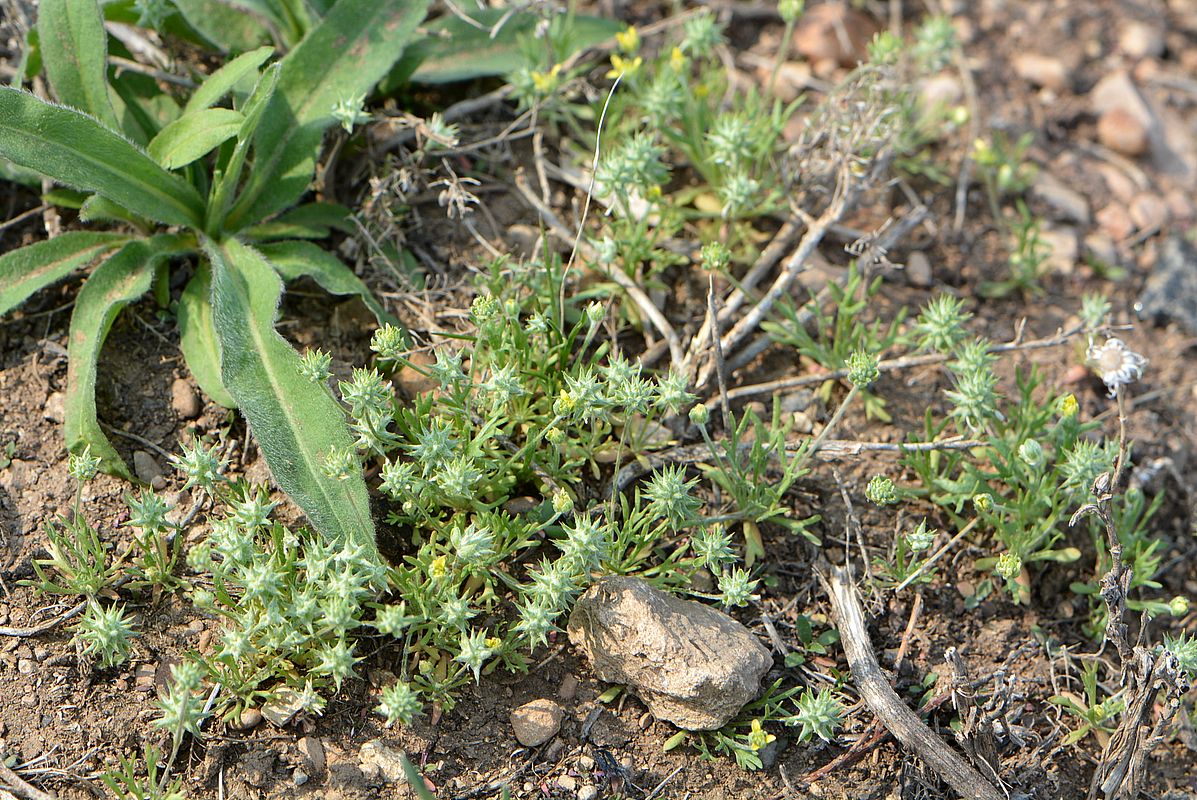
1117, 364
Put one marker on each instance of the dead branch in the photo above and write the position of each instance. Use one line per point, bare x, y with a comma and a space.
883, 701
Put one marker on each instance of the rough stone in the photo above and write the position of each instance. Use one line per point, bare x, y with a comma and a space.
55, 407
1122, 132
147, 469
1067, 203
1141, 40
918, 269
312, 750
387, 760
568, 689
1065, 249
1043, 71
250, 718
588, 792
184, 400
692, 664
536, 722
833, 34
1171, 290
1115, 221
1148, 211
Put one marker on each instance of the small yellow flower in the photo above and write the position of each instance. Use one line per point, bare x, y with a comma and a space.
623, 66
757, 738
1067, 406
493, 643
628, 40
677, 59
546, 82
439, 567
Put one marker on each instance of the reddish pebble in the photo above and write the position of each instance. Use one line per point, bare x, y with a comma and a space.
1120, 131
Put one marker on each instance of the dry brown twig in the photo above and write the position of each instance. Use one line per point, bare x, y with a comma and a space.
883, 701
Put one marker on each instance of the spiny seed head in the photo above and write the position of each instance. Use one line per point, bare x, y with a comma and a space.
862, 369
315, 365
399, 703
1009, 566
83, 466
881, 490
920, 538
389, 342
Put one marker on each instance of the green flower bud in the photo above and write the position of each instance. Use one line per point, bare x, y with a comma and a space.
1009, 566
700, 414
881, 490
1032, 453
1179, 606
862, 369
983, 502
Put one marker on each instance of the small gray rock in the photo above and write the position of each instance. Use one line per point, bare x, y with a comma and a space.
184, 400
55, 407
918, 269
386, 759
1171, 291
250, 718
692, 665
312, 750
147, 469
1066, 203
536, 722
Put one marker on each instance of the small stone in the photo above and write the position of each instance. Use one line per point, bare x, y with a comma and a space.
1122, 132
918, 269
536, 722
1148, 211
587, 792
1115, 221
1064, 248
1171, 290
312, 750
1043, 71
833, 35
940, 91
692, 664
299, 777
797, 401
413, 379
388, 760
148, 470
55, 407
184, 400
250, 718
1140, 40
585, 763
1068, 204
1100, 247
283, 707
26, 666
567, 783
568, 689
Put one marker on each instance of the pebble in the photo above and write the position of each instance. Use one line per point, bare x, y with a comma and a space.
184, 400
567, 782
1115, 221
55, 407
536, 722
1101, 247
250, 718
26, 666
824, 30
148, 470
1064, 249
585, 763
918, 269
1148, 211
1068, 204
587, 792
568, 689
387, 759
1043, 71
299, 777
313, 753
1141, 40
1122, 132
410, 381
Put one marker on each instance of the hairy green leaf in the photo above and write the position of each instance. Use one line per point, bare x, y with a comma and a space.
24, 271
197, 337
438, 53
223, 80
308, 221
295, 260
225, 25
194, 135
342, 58
115, 283
74, 149
296, 424
226, 181
74, 49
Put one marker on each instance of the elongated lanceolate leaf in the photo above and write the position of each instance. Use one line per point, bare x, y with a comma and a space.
115, 283
74, 149
197, 337
342, 58
226, 181
297, 425
24, 271
222, 81
194, 135
438, 54
222, 24
74, 49
294, 260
